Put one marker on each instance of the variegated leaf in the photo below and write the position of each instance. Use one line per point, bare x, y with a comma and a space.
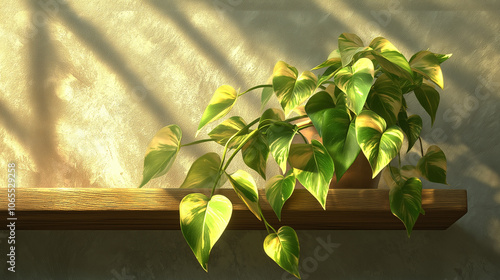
349, 45
221, 103
378, 143
279, 138
203, 220
389, 57
204, 172
290, 89
271, 116
161, 152
245, 187
224, 131
385, 99
356, 82
255, 153
283, 248
406, 202
428, 97
411, 126
313, 167
428, 64
278, 190
432, 165
332, 60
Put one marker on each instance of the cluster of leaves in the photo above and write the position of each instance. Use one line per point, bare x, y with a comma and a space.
357, 105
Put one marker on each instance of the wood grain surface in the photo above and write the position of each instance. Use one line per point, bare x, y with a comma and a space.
157, 209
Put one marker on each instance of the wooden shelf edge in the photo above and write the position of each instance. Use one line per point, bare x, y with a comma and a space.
157, 209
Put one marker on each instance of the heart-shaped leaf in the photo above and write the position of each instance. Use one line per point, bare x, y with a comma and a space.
411, 126
349, 45
255, 153
389, 58
204, 172
385, 99
432, 165
266, 95
224, 131
161, 152
279, 138
283, 248
245, 187
339, 138
332, 60
394, 176
378, 143
428, 64
406, 202
313, 167
203, 220
278, 190
271, 116
428, 97
290, 90
356, 82
221, 103
316, 107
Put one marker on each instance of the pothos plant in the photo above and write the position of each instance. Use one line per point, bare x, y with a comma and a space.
357, 104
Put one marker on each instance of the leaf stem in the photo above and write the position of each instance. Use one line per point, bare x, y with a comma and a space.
296, 118
265, 222
253, 88
197, 142
303, 137
421, 146
226, 147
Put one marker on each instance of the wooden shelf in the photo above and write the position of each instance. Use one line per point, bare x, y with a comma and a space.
157, 209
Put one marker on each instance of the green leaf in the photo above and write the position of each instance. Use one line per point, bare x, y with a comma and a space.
279, 138
428, 97
394, 176
221, 103
432, 165
278, 190
356, 82
406, 202
270, 116
339, 138
255, 153
203, 220
427, 64
224, 131
161, 152
442, 57
267, 92
316, 107
290, 90
349, 45
389, 58
204, 172
245, 187
385, 99
332, 60
327, 75
378, 143
283, 248
411, 126
313, 167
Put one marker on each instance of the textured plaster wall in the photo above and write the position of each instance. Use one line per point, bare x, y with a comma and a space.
84, 85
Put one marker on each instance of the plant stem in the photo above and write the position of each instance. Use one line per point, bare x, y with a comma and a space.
329, 82
296, 118
253, 88
265, 222
421, 146
197, 142
226, 147
303, 137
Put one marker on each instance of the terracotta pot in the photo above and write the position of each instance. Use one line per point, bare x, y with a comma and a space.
358, 176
